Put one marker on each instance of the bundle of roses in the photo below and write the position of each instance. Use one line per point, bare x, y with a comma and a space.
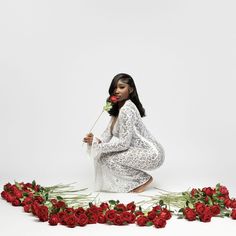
205, 203
33, 199
199, 203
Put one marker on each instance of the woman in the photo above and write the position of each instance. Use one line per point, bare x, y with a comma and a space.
126, 148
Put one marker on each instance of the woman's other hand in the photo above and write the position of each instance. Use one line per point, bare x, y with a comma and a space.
88, 139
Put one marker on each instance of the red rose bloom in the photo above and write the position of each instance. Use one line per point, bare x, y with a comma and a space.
215, 210
79, 211
4, 195
233, 203
128, 217
200, 207
189, 214
110, 215
82, 220
113, 99
7, 187
193, 192
16, 202
233, 214
120, 207
151, 215
159, 222
42, 213
206, 215
104, 205
39, 199
27, 208
131, 206
227, 202
157, 208
165, 214
71, 220
119, 220
27, 200
53, 219
223, 190
93, 218
101, 219
208, 191
142, 220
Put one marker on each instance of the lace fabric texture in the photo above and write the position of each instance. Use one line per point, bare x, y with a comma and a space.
124, 155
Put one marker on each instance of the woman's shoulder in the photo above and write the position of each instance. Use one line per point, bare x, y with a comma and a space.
129, 107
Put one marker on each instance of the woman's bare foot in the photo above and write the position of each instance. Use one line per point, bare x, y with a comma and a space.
142, 187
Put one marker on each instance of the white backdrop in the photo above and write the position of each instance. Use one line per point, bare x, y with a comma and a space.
57, 59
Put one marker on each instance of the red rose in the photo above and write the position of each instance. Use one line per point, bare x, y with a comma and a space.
223, 190
101, 219
7, 187
159, 222
16, 202
128, 217
113, 99
53, 219
200, 207
37, 188
82, 220
39, 199
110, 215
104, 205
10, 198
79, 211
131, 206
4, 194
27, 208
189, 214
18, 193
208, 191
62, 216
119, 220
142, 220
233, 203
71, 220
233, 214
120, 207
61, 204
165, 214
42, 213
27, 201
93, 218
206, 215
157, 208
34, 208
215, 210
151, 215
193, 192
227, 202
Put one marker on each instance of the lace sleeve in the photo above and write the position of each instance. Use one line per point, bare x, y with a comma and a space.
106, 135
126, 121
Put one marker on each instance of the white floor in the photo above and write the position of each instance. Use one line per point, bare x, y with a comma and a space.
14, 221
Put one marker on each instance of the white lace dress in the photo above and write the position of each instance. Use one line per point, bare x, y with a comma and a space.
123, 155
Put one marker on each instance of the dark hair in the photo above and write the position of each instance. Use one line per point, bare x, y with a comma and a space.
125, 78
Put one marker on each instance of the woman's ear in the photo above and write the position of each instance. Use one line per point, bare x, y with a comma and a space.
131, 90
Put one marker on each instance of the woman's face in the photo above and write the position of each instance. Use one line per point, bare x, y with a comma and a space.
122, 91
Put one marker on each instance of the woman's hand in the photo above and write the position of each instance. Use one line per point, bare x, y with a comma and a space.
88, 139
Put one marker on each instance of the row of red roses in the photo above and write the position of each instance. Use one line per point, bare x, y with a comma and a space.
203, 204
57, 212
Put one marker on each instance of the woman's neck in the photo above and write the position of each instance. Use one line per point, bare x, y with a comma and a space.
120, 104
